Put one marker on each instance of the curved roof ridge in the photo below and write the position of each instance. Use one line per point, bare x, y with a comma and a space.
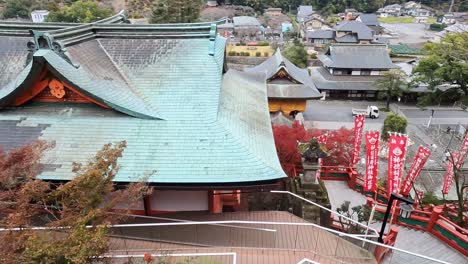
23, 28
122, 100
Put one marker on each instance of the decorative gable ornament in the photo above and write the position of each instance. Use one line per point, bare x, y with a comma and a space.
56, 88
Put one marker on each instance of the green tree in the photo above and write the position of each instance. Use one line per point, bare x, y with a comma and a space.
296, 53
80, 12
176, 11
361, 212
392, 84
17, 8
446, 63
393, 123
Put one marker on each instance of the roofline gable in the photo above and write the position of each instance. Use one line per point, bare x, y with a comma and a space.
43, 60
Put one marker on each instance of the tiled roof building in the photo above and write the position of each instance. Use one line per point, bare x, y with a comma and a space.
350, 70
162, 88
289, 87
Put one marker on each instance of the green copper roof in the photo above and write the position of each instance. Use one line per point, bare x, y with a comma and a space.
184, 121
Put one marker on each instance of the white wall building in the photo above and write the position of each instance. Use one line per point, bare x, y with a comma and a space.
39, 16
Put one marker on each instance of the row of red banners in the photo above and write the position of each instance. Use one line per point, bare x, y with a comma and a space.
396, 159
458, 159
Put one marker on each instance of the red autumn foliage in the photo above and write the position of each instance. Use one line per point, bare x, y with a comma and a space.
339, 145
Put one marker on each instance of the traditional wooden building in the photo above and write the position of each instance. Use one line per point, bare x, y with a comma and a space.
350, 70
193, 131
289, 87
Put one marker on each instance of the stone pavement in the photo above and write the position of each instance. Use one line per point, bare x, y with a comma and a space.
421, 243
341, 192
408, 239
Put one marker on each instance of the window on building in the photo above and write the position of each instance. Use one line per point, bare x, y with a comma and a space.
365, 72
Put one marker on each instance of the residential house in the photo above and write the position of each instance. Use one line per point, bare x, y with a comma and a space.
349, 14
247, 26
313, 23
353, 32
371, 21
39, 16
455, 28
411, 5
320, 38
390, 10
194, 131
454, 17
289, 87
303, 13
350, 70
211, 3
272, 11
345, 32
420, 12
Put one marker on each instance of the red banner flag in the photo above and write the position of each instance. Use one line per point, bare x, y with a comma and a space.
358, 126
396, 160
372, 161
322, 139
416, 167
463, 152
448, 180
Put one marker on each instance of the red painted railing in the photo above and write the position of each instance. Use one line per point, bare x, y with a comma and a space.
432, 222
429, 219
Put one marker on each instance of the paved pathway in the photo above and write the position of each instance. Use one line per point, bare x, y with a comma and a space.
338, 192
421, 243
414, 241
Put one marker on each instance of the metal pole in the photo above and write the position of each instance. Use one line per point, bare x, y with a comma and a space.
371, 217
430, 118
393, 196
387, 213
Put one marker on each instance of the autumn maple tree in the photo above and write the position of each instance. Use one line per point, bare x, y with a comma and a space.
339, 145
76, 213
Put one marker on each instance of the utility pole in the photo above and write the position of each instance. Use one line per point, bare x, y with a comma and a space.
430, 118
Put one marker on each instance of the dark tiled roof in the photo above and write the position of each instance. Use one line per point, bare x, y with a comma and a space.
182, 119
325, 81
369, 19
304, 12
357, 56
303, 87
321, 34
363, 32
348, 38
245, 21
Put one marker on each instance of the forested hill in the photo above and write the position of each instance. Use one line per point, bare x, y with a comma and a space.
337, 6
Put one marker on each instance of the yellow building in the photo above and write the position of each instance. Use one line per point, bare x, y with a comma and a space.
289, 87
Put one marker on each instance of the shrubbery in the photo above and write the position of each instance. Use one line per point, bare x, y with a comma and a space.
263, 43
393, 123
437, 27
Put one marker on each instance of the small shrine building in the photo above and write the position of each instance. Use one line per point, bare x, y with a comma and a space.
289, 87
